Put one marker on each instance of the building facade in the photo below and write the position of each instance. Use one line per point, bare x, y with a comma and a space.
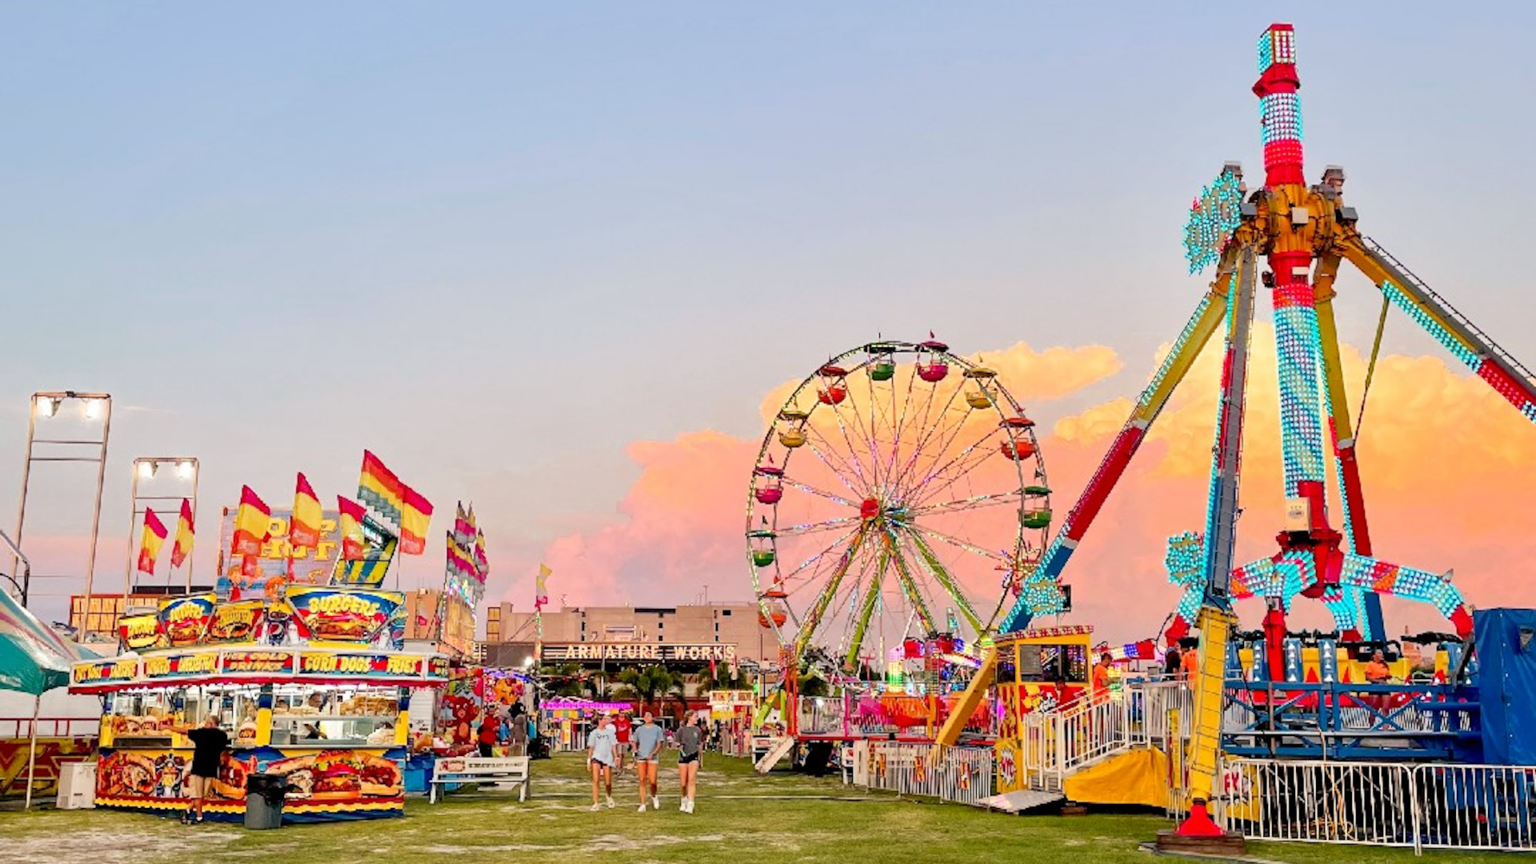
728, 632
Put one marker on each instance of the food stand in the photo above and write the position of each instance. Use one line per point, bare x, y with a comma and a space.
311, 687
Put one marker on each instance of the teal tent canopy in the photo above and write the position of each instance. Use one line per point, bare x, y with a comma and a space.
33, 658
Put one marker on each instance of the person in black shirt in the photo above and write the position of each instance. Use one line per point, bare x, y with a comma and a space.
1172, 661
208, 745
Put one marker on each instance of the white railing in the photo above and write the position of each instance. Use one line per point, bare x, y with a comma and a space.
1415, 806
959, 774
50, 727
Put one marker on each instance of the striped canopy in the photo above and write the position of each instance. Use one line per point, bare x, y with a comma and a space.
33, 658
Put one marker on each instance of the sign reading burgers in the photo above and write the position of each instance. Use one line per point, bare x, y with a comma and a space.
347, 615
184, 620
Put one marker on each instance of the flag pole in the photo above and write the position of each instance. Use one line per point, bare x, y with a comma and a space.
37, 705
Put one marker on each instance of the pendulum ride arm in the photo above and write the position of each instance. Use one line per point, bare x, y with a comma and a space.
1215, 619
1450, 328
867, 606
1041, 594
1357, 533
813, 619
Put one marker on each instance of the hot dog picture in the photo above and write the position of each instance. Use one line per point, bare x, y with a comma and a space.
380, 777
230, 783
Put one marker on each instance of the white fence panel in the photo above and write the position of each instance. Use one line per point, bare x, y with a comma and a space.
1475, 806
959, 774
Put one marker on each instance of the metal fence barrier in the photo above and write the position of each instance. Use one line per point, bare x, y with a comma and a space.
959, 774
1417, 806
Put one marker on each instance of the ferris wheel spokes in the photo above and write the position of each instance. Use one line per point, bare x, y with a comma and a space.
813, 620
942, 576
959, 505
867, 604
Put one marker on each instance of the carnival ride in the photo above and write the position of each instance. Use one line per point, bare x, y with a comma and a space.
894, 480
1305, 232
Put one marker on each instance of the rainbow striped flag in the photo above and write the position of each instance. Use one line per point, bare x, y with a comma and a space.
379, 488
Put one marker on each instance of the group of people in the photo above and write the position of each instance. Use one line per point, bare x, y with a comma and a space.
606, 751
512, 727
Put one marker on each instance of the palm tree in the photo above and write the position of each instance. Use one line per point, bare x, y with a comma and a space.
566, 680
648, 682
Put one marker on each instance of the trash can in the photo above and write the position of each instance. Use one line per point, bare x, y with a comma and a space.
264, 795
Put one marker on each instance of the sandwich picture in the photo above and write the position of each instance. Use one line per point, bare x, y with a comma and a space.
131, 774
380, 777
336, 776
342, 626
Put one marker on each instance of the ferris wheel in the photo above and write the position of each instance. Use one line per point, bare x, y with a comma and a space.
897, 484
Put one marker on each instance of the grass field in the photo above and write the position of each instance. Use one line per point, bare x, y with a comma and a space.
741, 818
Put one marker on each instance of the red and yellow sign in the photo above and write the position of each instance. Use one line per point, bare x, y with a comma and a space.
185, 619
236, 622
345, 615
326, 663
186, 665
106, 671
258, 662
141, 632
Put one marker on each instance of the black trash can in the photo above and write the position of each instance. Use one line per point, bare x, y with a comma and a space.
264, 794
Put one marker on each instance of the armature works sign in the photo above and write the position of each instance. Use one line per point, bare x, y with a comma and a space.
657, 653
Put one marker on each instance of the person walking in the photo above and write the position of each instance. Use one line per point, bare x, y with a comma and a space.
601, 747
690, 740
621, 729
208, 745
647, 739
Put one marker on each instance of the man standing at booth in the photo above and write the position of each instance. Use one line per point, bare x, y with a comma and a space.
208, 745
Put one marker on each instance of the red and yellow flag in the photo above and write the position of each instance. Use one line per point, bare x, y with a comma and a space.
304, 525
415, 518
184, 535
353, 543
154, 537
251, 522
378, 487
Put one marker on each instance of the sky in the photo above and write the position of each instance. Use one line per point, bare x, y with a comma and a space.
554, 259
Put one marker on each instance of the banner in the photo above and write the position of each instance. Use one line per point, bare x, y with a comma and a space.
184, 620
310, 566
258, 662
240, 621
361, 665
105, 671
343, 614
141, 633
184, 665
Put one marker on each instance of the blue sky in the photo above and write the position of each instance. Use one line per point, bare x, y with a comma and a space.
497, 242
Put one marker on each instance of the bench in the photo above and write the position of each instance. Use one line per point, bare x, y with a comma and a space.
480, 769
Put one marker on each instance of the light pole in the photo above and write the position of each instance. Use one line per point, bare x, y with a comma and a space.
147, 468
45, 405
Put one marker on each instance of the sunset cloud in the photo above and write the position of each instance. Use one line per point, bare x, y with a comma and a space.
1448, 468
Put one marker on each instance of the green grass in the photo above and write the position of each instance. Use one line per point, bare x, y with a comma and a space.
737, 823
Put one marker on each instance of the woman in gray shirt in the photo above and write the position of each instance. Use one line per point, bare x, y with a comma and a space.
690, 739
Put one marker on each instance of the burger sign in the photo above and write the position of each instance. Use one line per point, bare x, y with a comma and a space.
348, 615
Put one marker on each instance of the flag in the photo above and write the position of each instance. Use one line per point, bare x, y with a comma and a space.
250, 567
482, 565
463, 528
183, 546
304, 525
541, 593
154, 537
415, 517
379, 488
353, 543
250, 524
460, 561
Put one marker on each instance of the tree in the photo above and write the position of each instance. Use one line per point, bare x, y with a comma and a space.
567, 680
648, 682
